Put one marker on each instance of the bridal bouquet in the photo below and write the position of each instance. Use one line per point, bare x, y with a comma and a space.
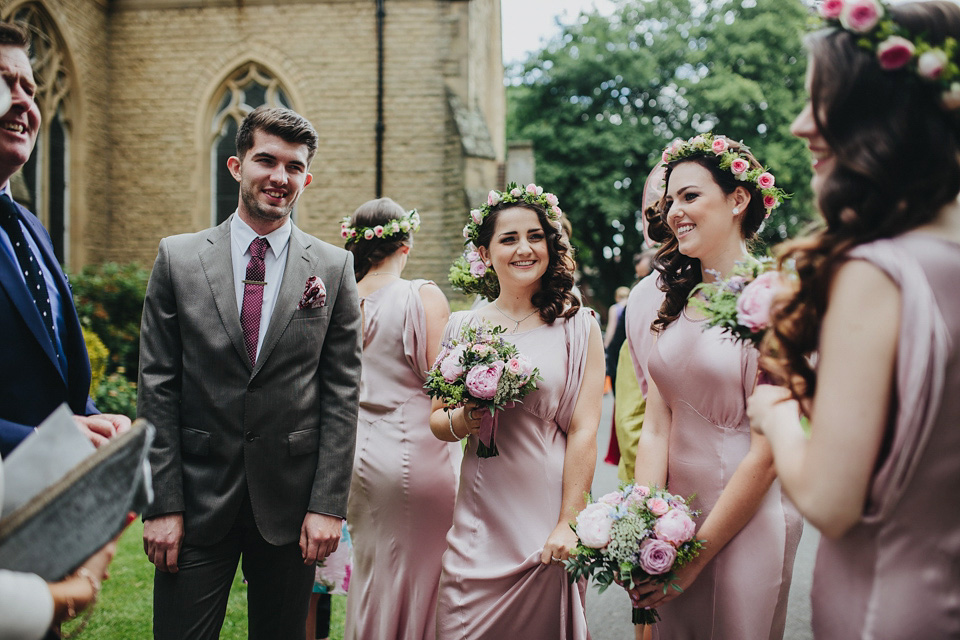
482, 367
740, 305
632, 536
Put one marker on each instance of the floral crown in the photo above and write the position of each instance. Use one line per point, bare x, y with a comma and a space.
732, 159
402, 225
469, 274
531, 194
895, 47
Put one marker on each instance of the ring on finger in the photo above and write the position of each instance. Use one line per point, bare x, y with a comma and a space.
554, 559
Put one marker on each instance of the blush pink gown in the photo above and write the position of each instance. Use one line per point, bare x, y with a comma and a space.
896, 574
705, 379
404, 480
493, 584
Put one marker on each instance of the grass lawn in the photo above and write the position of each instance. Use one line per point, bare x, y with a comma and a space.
125, 608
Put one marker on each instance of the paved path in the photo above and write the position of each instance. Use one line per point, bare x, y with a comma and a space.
608, 614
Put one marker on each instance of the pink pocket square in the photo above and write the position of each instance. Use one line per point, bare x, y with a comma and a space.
314, 295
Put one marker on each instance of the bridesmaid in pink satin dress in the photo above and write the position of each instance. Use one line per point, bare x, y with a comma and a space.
696, 438
404, 480
502, 574
879, 474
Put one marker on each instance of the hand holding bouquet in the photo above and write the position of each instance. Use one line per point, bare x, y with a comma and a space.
631, 536
481, 367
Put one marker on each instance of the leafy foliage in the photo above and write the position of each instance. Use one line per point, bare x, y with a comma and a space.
109, 300
116, 394
602, 101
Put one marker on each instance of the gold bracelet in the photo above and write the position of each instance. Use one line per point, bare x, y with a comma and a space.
450, 422
95, 584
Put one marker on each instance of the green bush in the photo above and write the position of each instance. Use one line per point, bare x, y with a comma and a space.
116, 394
109, 299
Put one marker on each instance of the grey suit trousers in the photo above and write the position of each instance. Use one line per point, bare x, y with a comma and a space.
191, 604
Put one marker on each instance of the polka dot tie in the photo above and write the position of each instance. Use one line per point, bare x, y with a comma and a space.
252, 306
30, 266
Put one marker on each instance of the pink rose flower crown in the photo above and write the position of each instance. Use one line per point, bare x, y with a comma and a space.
707, 144
468, 273
633, 535
896, 48
400, 226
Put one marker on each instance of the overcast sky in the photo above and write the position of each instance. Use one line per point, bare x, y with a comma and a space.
528, 24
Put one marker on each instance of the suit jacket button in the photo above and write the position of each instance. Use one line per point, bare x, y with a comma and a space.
249, 436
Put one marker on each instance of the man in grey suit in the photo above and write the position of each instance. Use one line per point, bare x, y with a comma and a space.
250, 370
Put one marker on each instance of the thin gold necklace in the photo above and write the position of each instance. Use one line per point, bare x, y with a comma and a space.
383, 273
511, 319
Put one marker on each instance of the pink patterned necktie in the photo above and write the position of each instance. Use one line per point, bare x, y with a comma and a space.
252, 307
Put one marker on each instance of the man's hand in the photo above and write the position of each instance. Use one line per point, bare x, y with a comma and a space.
319, 536
101, 427
162, 537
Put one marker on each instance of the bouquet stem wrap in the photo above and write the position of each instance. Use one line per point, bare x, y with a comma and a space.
488, 432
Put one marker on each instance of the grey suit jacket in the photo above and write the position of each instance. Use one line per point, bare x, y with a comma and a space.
283, 428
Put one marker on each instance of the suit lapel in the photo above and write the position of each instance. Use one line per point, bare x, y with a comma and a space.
17, 290
218, 268
295, 274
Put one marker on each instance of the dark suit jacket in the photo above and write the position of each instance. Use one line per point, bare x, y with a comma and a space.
32, 383
282, 430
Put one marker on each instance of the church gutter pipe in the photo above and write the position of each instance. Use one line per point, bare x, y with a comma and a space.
381, 15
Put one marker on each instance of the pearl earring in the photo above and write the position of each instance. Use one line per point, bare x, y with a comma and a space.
736, 211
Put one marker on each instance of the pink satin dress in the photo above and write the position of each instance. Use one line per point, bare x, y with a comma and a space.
493, 584
705, 378
404, 480
896, 574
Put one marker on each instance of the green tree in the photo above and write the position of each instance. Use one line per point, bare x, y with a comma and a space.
601, 101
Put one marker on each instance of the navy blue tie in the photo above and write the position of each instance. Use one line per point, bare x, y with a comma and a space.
30, 266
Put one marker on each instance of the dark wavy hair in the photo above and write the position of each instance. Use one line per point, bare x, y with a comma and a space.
555, 299
367, 253
679, 274
896, 152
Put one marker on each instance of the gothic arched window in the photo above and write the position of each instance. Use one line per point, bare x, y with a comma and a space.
46, 175
247, 88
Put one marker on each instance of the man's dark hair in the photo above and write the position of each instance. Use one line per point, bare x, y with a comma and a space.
283, 123
14, 35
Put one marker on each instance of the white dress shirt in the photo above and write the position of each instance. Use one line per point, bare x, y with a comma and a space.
241, 235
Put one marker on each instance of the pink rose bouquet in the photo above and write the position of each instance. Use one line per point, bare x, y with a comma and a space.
740, 305
482, 367
631, 536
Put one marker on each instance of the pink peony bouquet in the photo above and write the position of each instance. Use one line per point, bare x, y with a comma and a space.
740, 305
482, 367
631, 536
